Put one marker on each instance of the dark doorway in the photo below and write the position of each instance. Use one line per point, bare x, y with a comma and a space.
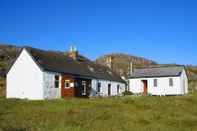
82, 87
109, 89
145, 86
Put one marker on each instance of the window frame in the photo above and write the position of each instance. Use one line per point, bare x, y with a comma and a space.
57, 81
67, 84
84, 86
155, 82
171, 82
98, 89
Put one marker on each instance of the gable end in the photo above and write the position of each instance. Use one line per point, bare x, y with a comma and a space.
14, 61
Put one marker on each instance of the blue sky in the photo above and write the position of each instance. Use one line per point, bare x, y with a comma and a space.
162, 30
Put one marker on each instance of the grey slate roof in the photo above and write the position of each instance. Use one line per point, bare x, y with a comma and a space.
158, 72
82, 67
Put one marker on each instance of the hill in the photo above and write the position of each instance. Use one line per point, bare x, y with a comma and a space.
121, 62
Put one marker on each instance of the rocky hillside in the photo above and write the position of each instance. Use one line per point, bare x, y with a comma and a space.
7, 55
121, 62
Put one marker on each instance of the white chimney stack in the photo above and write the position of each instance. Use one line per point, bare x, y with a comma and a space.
109, 62
130, 68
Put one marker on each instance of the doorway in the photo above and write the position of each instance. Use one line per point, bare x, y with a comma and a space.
109, 89
145, 87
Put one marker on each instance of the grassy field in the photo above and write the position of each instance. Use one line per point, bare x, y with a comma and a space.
2, 87
178, 113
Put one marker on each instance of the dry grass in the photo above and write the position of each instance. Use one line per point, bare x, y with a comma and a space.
178, 113
193, 86
2, 87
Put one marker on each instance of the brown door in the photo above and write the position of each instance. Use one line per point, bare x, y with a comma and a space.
67, 86
145, 87
109, 89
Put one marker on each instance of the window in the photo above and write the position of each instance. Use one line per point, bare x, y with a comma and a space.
99, 87
170, 82
155, 82
83, 87
118, 89
66, 84
56, 81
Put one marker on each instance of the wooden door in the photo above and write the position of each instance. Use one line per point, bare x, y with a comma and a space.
145, 87
67, 88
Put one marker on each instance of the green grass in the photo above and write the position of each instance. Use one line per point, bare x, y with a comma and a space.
2, 87
177, 113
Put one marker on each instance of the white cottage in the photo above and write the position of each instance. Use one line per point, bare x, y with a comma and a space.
37, 74
159, 81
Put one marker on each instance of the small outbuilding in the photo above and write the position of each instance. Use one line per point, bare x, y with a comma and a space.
159, 81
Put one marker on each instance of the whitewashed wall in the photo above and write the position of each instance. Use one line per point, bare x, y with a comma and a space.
163, 88
104, 88
136, 86
50, 92
24, 79
184, 82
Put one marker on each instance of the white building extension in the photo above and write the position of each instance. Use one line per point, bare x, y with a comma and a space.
37, 74
159, 81
105, 88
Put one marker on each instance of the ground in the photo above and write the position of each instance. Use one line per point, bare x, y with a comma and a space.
172, 113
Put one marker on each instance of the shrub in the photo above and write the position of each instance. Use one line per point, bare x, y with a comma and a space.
127, 93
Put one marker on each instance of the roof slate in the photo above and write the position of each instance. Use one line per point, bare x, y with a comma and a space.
157, 72
82, 67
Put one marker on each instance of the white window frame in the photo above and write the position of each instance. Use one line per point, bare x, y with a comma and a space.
171, 82
84, 84
155, 82
65, 83
98, 87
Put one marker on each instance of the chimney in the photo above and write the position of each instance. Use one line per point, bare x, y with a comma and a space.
73, 53
130, 68
109, 62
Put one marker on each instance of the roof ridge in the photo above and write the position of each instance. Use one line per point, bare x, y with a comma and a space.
161, 67
49, 62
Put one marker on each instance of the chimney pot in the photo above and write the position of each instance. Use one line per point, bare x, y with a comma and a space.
109, 62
